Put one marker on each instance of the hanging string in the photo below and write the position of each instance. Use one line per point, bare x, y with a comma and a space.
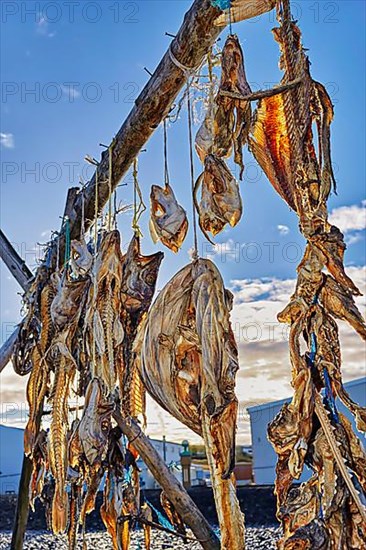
96, 213
58, 254
138, 209
166, 171
95, 278
67, 243
191, 161
82, 212
110, 173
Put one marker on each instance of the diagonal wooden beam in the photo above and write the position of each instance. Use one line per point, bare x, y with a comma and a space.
14, 262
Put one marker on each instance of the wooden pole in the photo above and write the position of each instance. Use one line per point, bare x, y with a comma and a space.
182, 502
22, 509
14, 262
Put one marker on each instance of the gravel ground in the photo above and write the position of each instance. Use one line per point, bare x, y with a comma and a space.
257, 538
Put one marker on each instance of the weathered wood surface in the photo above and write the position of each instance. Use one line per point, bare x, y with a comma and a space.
6, 350
14, 262
182, 502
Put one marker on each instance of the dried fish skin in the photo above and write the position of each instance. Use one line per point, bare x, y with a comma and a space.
66, 305
139, 277
220, 201
233, 116
332, 247
168, 220
103, 329
204, 140
81, 260
189, 356
95, 423
341, 305
39, 467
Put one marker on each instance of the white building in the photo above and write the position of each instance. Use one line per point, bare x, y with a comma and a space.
11, 459
170, 452
264, 457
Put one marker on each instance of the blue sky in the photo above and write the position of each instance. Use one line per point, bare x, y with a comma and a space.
51, 130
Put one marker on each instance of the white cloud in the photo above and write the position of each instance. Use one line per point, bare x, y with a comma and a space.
7, 140
349, 218
43, 28
283, 229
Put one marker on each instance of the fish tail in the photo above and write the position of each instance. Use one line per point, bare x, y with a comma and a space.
59, 511
29, 437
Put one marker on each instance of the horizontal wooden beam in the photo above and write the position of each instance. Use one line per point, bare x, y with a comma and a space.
181, 500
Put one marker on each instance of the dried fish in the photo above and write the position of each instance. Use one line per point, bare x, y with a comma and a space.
103, 329
188, 365
233, 116
95, 423
139, 280
81, 260
168, 220
220, 201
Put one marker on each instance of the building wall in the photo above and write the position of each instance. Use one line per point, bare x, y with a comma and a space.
264, 457
11, 458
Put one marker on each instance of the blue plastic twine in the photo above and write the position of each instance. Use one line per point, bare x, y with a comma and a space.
221, 4
329, 397
162, 520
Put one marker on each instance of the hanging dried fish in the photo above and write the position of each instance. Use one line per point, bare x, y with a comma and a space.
94, 425
220, 200
139, 280
188, 365
81, 260
38, 382
233, 116
103, 330
168, 220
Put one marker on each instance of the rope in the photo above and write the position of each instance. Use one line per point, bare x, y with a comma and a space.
187, 71
166, 171
95, 277
82, 212
195, 242
162, 520
140, 209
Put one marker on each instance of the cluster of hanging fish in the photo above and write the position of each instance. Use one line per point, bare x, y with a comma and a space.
328, 511
86, 319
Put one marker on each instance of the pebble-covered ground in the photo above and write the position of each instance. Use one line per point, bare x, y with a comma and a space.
257, 538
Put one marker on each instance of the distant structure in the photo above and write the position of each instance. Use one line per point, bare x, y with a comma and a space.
264, 457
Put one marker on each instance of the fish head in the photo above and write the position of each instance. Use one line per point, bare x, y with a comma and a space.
139, 276
109, 261
81, 259
162, 199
